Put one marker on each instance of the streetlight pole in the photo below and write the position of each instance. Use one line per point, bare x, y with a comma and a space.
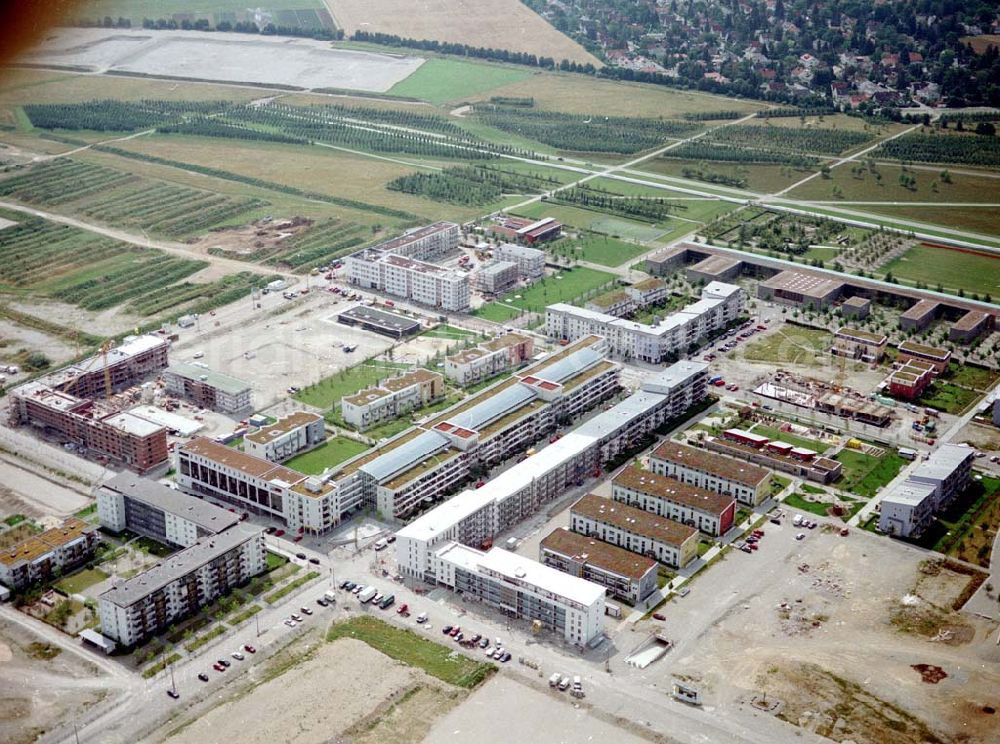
256, 616
173, 684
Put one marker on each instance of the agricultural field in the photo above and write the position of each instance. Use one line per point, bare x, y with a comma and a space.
759, 178
471, 185
441, 80
333, 452
891, 183
837, 122
288, 13
781, 139
943, 148
478, 23
981, 220
327, 392
792, 344
119, 198
953, 269
863, 474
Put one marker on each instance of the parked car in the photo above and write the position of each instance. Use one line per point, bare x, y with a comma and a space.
322, 602
446, 629
249, 649
455, 631
279, 533
505, 658
305, 611
296, 618
484, 642
218, 667
300, 556
422, 617
314, 560
224, 662
800, 536
344, 583
659, 616
203, 677
173, 693
403, 609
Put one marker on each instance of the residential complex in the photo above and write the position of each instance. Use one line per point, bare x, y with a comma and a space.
475, 517
909, 507
72, 402
489, 359
919, 315
624, 574
971, 326
710, 512
523, 588
286, 437
651, 291
671, 543
530, 261
923, 353
719, 306
45, 556
207, 389
145, 507
799, 288
392, 398
524, 230
496, 277
910, 378
746, 483
776, 455
854, 343
400, 267
135, 609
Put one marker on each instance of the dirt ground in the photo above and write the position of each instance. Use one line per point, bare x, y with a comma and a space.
247, 239
37, 692
109, 322
24, 492
17, 339
474, 22
326, 696
817, 630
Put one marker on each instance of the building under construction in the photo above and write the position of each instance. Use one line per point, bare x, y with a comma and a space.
76, 403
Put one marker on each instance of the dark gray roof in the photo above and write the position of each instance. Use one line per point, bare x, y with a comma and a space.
208, 516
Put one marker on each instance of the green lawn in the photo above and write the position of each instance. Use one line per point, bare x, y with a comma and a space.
440, 80
328, 391
948, 398
406, 646
76, 583
791, 344
795, 501
968, 527
333, 452
953, 269
599, 249
449, 332
497, 312
275, 561
290, 587
587, 219
863, 474
822, 253
969, 375
565, 286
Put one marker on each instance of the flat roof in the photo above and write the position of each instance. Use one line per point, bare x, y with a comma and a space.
857, 334
602, 555
38, 545
523, 251
131, 424
633, 520
282, 426
499, 267
504, 342
178, 565
255, 467
710, 462
716, 264
408, 238
744, 434
807, 285
909, 492
920, 309
381, 318
943, 461
970, 320
524, 571
219, 381
647, 285
202, 513
685, 494
408, 379
912, 347
610, 298
170, 421
857, 301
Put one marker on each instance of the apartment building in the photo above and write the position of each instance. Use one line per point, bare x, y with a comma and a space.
530, 262
177, 586
419, 281
776, 455
616, 302
98, 427
526, 230
624, 574
40, 558
523, 589
476, 516
854, 343
424, 243
136, 358
921, 352
304, 503
651, 291
145, 507
707, 511
297, 432
489, 359
746, 483
910, 379
392, 398
720, 305
207, 389
910, 507
671, 543
497, 277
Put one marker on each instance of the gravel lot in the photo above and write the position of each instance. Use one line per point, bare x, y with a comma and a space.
304, 63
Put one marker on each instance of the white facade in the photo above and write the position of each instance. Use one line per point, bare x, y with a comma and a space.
286, 437
909, 507
720, 304
488, 359
525, 589
530, 261
394, 398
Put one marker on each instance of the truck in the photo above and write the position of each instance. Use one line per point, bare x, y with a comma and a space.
554, 679
367, 594
330, 595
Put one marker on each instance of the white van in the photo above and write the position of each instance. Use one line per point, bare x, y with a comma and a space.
554, 679
564, 683
797, 520
381, 544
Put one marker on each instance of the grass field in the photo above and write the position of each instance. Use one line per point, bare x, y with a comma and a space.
982, 220
954, 269
949, 398
790, 345
497, 312
864, 186
214, 10
761, 178
598, 249
333, 452
565, 286
795, 501
863, 474
406, 646
587, 219
969, 375
328, 391
449, 332
76, 583
441, 80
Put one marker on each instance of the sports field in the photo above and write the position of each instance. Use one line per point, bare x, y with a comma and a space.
954, 269
441, 80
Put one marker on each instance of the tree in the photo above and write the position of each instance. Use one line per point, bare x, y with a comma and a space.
36, 360
986, 129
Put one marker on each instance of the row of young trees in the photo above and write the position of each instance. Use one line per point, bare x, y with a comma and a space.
320, 32
115, 116
701, 150
650, 209
944, 148
469, 185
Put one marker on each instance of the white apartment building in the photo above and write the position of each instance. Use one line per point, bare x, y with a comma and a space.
910, 506
424, 243
146, 507
746, 483
671, 543
489, 359
286, 437
496, 277
651, 291
720, 305
624, 574
707, 511
40, 557
524, 589
475, 516
530, 261
393, 398
180, 584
